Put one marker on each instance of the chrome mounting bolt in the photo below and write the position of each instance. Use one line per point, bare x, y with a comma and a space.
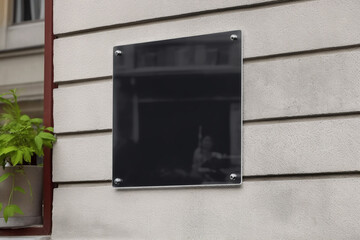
233, 176
117, 181
118, 53
233, 37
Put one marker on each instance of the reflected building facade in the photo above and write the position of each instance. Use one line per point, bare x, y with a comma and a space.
177, 111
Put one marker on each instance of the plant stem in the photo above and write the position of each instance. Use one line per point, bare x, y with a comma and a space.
12, 189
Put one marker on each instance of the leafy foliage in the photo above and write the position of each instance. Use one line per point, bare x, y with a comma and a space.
21, 137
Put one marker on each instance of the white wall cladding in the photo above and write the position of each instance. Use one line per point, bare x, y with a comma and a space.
27, 91
84, 106
301, 201
302, 146
100, 13
22, 69
302, 85
274, 209
312, 146
285, 28
34, 33
92, 154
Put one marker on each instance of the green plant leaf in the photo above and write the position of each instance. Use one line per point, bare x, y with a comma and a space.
17, 209
50, 129
24, 118
8, 150
47, 143
20, 136
38, 142
30, 188
16, 158
4, 177
10, 210
13, 92
6, 117
36, 121
6, 137
27, 155
1, 206
3, 100
19, 189
46, 135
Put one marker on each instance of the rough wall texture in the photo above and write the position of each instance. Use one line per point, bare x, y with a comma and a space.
301, 112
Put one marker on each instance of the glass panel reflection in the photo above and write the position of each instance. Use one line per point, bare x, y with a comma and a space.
177, 112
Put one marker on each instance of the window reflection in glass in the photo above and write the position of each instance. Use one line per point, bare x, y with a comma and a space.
177, 112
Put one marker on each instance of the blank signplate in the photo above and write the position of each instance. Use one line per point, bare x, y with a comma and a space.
177, 112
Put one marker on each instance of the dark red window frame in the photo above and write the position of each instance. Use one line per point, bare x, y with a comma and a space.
48, 121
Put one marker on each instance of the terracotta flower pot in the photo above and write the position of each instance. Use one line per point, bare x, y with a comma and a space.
31, 207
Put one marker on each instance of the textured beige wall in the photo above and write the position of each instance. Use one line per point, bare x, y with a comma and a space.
290, 208
301, 112
129, 11
25, 35
22, 69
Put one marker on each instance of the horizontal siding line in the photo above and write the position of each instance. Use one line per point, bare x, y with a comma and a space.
245, 60
78, 183
32, 98
279, 177
39, 83
83, 80
178, 16
34, 50
106, 130
305, 117
303, 176
304, 52
325, 116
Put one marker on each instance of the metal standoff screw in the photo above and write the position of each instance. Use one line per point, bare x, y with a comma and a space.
118, 52
233, 37
233, 176
117, 181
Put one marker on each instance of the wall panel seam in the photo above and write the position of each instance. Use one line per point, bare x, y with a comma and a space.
251, 178
323, 116
84, 80
106, 130
308, 52
21, 52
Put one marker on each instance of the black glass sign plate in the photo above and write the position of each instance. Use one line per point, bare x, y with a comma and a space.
177, 112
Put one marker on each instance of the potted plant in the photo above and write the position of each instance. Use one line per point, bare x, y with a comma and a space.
21, 139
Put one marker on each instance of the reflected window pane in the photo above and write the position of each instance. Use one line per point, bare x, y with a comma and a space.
177, 112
